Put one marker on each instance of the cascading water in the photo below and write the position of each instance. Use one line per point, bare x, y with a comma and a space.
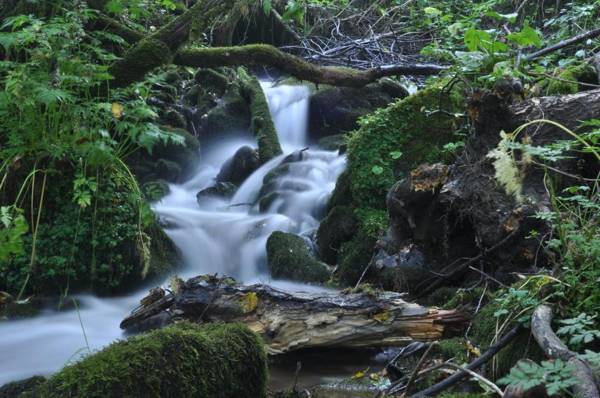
225, 236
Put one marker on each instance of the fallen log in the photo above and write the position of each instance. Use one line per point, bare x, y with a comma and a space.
549, 342
292, 321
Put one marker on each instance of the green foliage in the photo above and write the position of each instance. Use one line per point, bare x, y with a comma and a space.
556, 376
581, 330
89, 221
13, 227
185, 360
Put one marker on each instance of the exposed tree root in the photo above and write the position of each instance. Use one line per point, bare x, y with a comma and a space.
541, 329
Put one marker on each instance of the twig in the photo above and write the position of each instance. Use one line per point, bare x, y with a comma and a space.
415, 371
475, 375
458, 376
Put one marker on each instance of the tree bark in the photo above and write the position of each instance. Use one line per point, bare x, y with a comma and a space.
292, 321
541, 329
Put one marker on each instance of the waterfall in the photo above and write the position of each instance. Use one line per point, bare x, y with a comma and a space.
225, 236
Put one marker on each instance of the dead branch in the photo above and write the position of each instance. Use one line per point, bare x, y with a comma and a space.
461, 374
562, 44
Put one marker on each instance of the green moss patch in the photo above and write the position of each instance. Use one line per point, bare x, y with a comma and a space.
289, 257
184, 360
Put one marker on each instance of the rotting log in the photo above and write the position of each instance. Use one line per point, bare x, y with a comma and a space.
292, 321
541, 329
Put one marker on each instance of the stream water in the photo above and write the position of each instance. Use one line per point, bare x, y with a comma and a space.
225, 236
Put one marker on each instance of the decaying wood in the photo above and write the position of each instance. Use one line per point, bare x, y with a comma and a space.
292, 321
554, 348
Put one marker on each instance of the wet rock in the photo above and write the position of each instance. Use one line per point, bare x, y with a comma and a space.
243, 163
289, 257
333, 143
219, 190
338, 227
335, 110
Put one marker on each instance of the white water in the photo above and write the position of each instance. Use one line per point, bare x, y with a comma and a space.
215, 238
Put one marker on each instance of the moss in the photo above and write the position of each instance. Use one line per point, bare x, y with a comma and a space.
139, 60
289, 257
333, 143
523, 346
261, 122
567, 80
184, 360
354, 256
336, 228
16, 388
453, 348
410, 126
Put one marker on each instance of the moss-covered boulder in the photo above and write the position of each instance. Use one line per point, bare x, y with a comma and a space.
338, 227
333, 143
184, 360
394, 140
107, 247
219, 190
289, 257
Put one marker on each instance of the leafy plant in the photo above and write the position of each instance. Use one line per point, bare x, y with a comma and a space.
556, 376
580, 330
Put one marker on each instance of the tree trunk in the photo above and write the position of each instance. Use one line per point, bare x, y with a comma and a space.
292, 321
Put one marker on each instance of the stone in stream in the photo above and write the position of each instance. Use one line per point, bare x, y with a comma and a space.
243, 163
338, 227
289, 257
219, 190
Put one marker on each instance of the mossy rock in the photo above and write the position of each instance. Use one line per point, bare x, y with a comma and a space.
184, 155
289, 257
337, 227
341, 196
336, 110
17, 388
412, 127
184, 360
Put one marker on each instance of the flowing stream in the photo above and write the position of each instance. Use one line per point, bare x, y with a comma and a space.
225, 236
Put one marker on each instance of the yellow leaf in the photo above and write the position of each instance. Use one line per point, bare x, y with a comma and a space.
360, 374
117, 110
249, 302
382, 316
